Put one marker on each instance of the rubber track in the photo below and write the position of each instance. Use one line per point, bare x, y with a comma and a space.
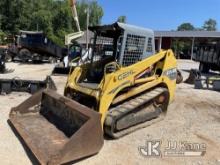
121, 110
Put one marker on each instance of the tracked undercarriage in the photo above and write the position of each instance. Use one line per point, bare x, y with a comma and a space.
137, 113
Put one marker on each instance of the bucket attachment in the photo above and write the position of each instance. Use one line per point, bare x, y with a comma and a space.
57, 129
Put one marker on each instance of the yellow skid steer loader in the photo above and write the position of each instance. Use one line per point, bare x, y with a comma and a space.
122, 86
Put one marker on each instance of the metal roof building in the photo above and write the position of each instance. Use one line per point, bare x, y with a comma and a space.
188, 34
172, 34
164, 39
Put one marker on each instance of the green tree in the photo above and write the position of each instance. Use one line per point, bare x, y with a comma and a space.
42, 21
62, 19
9, 16
95, 13
53, 17
122, 19
186, 27
180, 46
2, 37
210, 25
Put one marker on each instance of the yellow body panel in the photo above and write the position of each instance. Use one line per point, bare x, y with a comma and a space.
112, 83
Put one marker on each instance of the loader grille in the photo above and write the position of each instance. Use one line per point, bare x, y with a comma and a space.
134, 49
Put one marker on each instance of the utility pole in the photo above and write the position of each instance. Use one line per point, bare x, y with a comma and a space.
87, 28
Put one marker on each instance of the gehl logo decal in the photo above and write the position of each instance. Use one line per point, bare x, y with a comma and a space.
125, 75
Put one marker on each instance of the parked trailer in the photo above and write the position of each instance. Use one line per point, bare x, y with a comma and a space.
35, 46
209, 57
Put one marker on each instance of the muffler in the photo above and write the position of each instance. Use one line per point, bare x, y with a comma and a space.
57, 129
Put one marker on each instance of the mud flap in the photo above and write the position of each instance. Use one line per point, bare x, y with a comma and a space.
57, 129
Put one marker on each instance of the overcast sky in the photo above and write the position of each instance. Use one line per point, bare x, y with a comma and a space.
161, 14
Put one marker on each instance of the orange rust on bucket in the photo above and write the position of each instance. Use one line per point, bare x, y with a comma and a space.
57, 129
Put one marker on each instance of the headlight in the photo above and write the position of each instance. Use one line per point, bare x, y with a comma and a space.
171, 73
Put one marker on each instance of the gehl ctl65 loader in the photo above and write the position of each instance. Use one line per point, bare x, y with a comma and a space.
122, 86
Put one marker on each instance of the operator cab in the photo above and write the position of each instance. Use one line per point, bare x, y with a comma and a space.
120, 43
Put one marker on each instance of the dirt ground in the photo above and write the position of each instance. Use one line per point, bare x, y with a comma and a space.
193, 117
